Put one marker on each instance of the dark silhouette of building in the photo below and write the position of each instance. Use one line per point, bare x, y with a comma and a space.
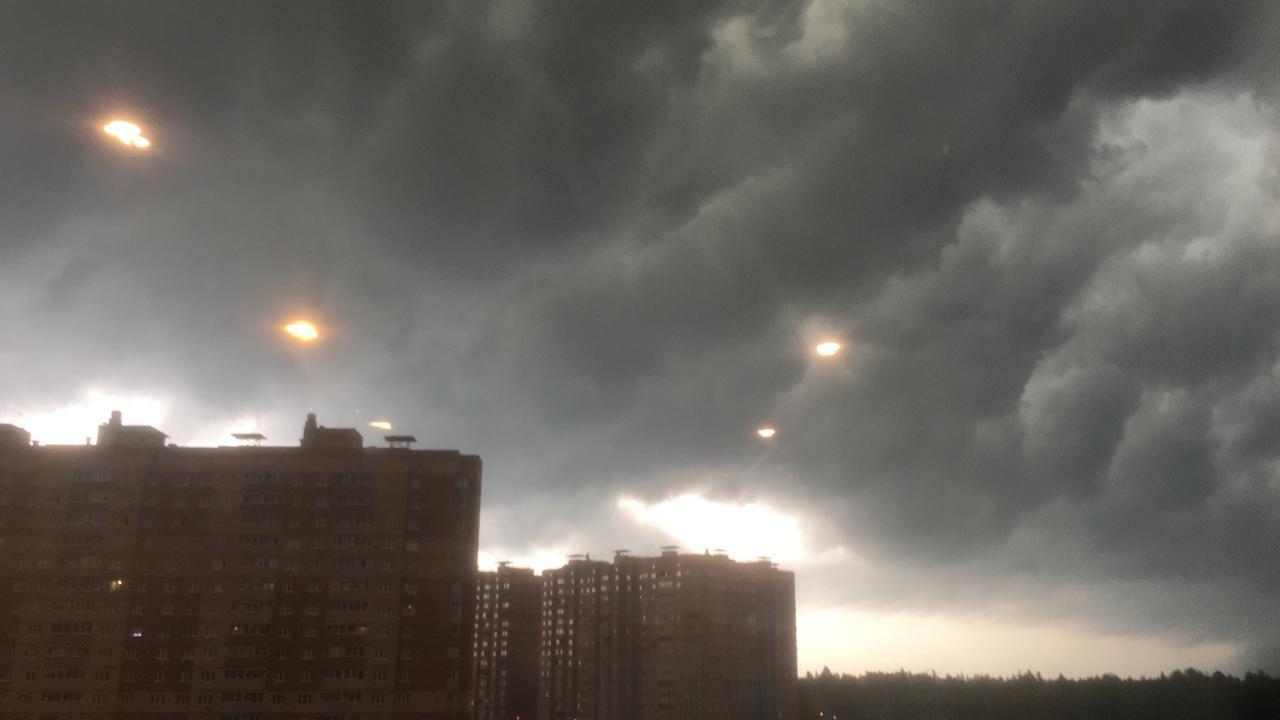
585, 670
505, 647
13, 436
116, 434
673, 637
140, 580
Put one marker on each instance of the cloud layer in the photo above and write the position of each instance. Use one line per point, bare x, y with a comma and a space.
596, 242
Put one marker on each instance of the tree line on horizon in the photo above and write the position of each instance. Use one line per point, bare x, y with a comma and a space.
1189, 694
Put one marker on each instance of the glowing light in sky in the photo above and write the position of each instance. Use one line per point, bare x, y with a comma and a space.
302, 330
539, 558
766, 432
127, 133
72, 422
828, 348
380, 424
743, 531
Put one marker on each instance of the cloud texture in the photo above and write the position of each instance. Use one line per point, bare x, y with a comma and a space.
594, 242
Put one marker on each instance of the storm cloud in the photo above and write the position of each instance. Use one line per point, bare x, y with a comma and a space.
594, 242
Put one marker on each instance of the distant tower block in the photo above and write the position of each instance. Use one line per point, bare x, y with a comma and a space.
505, 645
673, 637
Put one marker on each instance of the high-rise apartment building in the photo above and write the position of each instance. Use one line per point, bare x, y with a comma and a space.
505, 646
673, 637
143, 580
587, 670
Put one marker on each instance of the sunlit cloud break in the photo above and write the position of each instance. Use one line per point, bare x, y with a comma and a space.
72, 423
538, 559
743, 531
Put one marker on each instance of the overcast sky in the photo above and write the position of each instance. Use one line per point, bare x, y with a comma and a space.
595, 242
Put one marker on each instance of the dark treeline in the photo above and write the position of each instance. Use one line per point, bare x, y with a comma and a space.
1189, 694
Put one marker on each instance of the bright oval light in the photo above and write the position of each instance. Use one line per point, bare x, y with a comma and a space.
766, 432
122, 129
127, 133
302, 330
380, 424
828, 348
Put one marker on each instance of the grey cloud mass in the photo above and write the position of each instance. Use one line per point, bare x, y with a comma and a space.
594, 241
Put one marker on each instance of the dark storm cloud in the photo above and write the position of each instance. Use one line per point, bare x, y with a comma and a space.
592, 240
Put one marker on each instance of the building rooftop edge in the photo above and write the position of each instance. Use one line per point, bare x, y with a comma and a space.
245, 449
701, 557
319, 439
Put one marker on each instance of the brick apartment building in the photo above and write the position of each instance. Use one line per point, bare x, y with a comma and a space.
505, 648
673, 637
328, 581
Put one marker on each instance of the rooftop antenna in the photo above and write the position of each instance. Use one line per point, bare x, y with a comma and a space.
400, 441
250, 439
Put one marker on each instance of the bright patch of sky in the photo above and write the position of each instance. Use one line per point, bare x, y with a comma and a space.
72, 422
744, 531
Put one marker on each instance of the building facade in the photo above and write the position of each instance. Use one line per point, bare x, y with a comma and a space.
328, 581
672, 637
505, 645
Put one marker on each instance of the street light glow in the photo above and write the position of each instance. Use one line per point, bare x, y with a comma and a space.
128, 133
303, 330
828, 348
380, 424
766, 432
